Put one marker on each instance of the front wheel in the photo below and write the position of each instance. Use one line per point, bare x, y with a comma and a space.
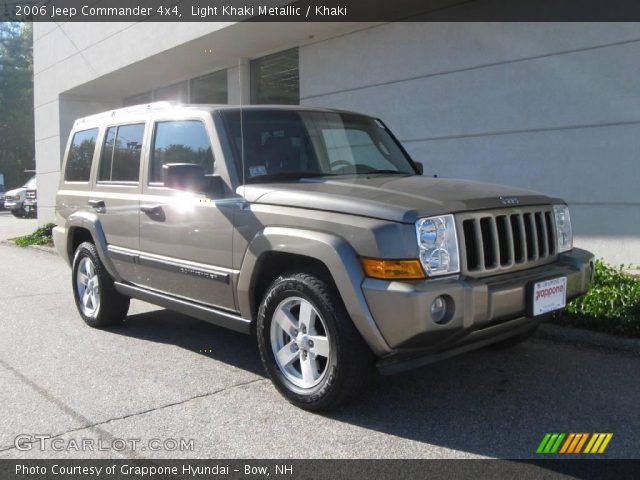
308, 344
19, 213
98, 302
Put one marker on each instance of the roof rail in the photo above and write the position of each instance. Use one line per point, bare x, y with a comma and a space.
145, 107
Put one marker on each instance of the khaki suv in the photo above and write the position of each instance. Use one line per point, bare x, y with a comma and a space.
312, 229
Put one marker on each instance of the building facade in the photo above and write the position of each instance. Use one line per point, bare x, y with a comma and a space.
546, 106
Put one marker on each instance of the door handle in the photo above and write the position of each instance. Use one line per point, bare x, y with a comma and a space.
98, 205
154, 211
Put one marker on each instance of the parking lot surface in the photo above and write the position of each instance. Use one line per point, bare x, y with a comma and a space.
11, 227
165, 376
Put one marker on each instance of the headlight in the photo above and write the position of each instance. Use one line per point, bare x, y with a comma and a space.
16, 197
438, 244
564, 234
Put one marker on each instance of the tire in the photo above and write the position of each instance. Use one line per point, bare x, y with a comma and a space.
102, 306
343, 363
19, 213
513, 341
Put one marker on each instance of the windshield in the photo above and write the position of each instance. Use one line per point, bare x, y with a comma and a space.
31, 183
281, 144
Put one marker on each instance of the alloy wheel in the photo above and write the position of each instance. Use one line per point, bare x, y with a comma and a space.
300, 342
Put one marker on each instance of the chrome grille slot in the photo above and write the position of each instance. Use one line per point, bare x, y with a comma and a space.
507, 240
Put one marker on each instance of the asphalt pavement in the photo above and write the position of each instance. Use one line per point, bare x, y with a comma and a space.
166, 377
11, 227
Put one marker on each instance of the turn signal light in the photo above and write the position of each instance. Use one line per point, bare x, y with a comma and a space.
393, 269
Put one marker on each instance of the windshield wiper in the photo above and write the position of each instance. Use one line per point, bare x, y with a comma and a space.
287, 176
386, 172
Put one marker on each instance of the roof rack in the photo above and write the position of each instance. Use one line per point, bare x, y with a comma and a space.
142, 108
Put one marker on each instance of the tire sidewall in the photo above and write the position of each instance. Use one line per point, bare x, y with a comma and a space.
84, 250
282, 289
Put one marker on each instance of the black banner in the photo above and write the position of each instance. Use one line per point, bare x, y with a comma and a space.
317, 10
316, 469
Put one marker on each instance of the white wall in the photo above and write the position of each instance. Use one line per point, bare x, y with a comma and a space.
85, 68
550, 107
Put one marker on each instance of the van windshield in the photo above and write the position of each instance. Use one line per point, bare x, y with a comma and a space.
289, 144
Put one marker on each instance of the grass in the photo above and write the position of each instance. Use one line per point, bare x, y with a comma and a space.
42, 236
612, 305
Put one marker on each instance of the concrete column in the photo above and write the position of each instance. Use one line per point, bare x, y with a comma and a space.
239, 83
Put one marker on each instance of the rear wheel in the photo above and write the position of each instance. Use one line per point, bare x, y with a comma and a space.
97, 300
308, 344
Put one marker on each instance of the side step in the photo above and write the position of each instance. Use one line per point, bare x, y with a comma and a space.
201, 312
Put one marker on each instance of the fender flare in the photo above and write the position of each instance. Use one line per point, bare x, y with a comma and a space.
89, 221
335, 253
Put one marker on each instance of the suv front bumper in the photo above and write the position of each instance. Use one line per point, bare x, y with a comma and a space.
497, 304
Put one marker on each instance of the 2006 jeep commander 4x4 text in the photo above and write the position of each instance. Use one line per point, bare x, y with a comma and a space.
312, 228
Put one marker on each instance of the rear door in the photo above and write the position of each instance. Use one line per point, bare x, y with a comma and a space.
186, 238
116, 190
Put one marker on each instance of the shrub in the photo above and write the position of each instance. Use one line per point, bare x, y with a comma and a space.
612, 305
41, 236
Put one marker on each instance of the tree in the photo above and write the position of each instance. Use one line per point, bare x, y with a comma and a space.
16, 103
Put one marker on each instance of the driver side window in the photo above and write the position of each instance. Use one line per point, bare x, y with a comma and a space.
183, 141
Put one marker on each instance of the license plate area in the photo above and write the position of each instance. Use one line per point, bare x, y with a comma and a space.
548, 296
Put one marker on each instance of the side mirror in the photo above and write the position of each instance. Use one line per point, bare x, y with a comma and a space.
419, 167
184, 176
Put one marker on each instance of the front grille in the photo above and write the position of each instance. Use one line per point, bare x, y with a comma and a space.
505, 240
31, 194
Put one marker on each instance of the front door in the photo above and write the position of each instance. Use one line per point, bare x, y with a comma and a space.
185, 238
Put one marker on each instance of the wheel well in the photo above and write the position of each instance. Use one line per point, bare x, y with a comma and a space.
77, 235
273, 264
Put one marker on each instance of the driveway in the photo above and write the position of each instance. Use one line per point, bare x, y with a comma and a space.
11, 227
162, 375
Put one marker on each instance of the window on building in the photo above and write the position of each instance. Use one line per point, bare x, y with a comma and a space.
140, 99
183, 141
178, 92
210, 88
80, 156
120, 159
275, 79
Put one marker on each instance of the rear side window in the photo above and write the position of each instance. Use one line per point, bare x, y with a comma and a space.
80, 155
120, 159
184, 141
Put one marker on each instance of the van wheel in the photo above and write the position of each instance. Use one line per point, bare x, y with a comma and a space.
19, 213
308, 344
98, 302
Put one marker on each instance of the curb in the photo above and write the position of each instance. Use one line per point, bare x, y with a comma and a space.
579, 336
42, 248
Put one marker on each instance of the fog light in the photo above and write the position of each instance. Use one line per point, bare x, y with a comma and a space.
439, 309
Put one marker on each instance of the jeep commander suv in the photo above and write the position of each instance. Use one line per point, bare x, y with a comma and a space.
311, 228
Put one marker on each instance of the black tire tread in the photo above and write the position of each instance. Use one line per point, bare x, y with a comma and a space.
113, 305
352, 375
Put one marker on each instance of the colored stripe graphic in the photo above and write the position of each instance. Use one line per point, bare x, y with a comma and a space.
568, 442
581, 443
605, 443
543, 443
574, 443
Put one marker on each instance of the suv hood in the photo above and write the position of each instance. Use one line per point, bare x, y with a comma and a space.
16, 191
399, 199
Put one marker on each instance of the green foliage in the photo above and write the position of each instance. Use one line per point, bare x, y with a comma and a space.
612, 305
16, 103
42, 236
